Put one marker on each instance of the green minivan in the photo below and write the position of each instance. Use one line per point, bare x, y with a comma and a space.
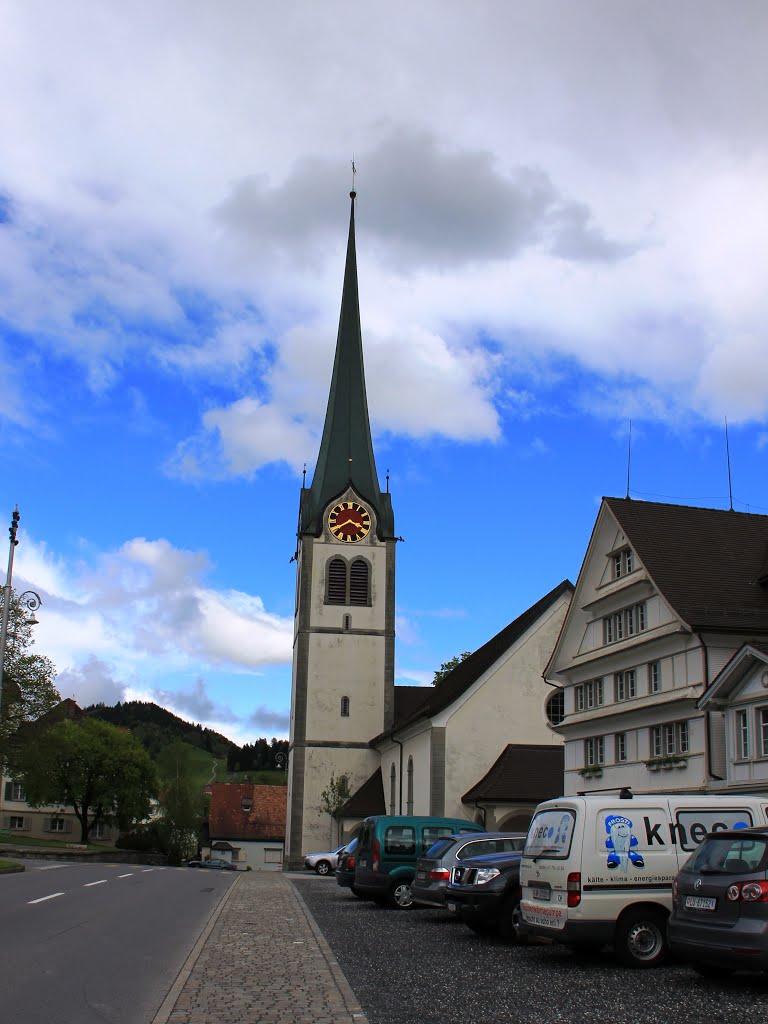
388, 848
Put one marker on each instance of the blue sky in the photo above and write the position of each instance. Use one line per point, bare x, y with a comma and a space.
562, 225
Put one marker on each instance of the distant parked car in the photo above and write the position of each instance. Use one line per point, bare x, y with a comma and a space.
215, 862
433, 870
345, 869
719, 920
486, 894
323, 863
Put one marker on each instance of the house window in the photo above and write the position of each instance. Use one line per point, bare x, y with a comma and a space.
345, 707
57, 825
392, 781
654, 677
621, 746
98, 831
672, 738
273, 855
742, 735
556, 707
589, 695
15, 822
625, 684
762, 725
624, 623
409, 803
623, 563
594, 751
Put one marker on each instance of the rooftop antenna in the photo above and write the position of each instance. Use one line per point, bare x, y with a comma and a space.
728, 457
304, 476
629, 455
354, 172
387, 481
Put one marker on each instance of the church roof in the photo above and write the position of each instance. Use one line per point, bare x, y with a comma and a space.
409, 699
522, 772
707, 563
468, 671
368, 799
346, 450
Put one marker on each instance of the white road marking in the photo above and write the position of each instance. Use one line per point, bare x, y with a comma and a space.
129, 875
53, 867
101, 881
44, 898
145, 870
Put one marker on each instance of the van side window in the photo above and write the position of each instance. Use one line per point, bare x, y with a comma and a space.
432, 833
400, 839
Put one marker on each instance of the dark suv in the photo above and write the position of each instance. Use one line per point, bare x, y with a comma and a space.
486, 893
719, 920
433, 870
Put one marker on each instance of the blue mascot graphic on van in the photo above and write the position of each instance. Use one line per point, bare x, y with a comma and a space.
620, 842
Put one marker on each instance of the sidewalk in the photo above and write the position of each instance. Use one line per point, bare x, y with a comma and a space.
261, 959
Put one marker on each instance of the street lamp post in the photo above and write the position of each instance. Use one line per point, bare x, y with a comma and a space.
29, 600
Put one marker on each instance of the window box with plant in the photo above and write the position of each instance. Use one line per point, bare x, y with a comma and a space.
590, 771
666, 761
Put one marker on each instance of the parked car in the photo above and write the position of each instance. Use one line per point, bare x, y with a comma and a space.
217, 863
719, 920
433, 870
345, 869
485, 891
323, 863
390, 846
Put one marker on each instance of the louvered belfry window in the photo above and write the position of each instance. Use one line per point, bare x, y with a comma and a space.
337, 581
358, 582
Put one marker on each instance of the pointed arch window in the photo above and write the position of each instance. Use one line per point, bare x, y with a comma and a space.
345, 707
348, 584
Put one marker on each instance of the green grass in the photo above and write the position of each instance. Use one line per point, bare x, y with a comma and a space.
9, 867
265, 777
13, 839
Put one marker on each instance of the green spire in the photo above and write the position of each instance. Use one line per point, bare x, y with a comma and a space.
346, 450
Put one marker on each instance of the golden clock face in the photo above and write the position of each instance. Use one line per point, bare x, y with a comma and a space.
349, 521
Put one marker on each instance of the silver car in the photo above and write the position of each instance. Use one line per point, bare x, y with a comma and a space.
433, 870
324, 863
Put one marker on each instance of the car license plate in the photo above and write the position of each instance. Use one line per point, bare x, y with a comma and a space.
452, 907
700, 903
421, 874
541, 894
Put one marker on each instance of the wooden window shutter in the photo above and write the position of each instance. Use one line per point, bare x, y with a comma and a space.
336, 591
358, 582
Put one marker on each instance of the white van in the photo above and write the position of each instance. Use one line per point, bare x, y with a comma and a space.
598, 868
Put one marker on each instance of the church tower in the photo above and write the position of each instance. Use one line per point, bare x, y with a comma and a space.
344, 627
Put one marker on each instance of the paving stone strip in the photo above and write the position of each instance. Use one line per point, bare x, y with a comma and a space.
262, 958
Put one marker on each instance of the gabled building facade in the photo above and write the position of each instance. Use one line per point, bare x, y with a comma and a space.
666, 596
246, 825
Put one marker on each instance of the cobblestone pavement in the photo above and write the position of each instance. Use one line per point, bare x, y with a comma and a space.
261, 959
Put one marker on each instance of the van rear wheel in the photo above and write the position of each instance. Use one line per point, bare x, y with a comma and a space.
399, 896
641, 938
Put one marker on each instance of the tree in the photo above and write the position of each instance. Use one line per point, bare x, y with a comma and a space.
334, 796
181, 802
448, 666
98, 770
28, 688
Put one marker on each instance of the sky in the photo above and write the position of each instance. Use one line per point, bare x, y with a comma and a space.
562, 229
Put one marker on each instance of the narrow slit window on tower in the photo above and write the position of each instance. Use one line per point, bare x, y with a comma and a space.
336, 583
358, 582
345, 707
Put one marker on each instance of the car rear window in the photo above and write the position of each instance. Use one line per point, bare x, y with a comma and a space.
729, 855
483, 846
441, 847
550, 834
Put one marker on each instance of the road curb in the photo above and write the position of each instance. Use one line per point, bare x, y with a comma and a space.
166, 1009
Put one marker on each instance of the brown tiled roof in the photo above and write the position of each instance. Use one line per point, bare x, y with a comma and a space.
468, 671
706, 562
264, 821
369, 799
522, 772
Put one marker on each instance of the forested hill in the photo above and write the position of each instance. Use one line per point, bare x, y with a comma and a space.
155, 727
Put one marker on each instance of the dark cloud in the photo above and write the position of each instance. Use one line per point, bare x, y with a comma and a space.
268, 720
91, 683
424, 203
196, 703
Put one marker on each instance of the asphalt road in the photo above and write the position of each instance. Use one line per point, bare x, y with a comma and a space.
423, 967
98, 943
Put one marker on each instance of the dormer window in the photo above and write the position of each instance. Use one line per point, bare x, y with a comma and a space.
623, 563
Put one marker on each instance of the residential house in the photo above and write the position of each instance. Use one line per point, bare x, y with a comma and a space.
666, 597
246, 825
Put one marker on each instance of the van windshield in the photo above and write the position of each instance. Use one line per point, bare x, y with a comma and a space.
550, 834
